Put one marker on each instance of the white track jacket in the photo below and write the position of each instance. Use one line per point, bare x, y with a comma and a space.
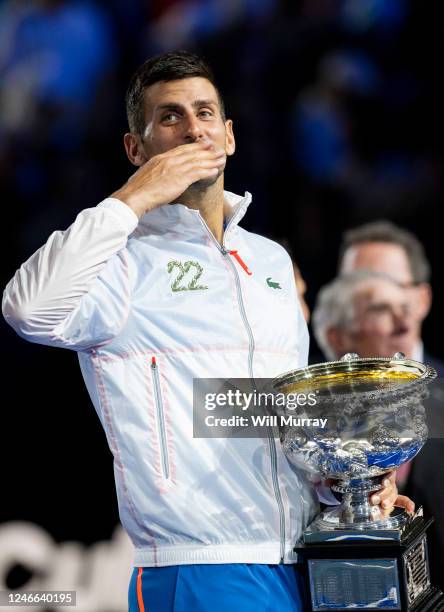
121, 292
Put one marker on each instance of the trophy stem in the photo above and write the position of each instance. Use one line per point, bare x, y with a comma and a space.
355, 511
355, 506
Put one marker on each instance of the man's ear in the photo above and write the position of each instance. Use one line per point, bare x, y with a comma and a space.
424, 300
230, 143
134, 149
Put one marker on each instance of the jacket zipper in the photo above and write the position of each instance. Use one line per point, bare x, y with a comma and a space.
271, 440
160, 418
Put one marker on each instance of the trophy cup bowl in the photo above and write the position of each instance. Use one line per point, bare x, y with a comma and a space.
375, 423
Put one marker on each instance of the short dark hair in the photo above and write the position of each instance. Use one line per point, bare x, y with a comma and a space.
170, 66
386, 231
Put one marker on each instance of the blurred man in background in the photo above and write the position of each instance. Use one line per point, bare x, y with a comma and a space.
381, 246
365, 313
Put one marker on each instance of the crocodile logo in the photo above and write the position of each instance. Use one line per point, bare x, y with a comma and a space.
272, 284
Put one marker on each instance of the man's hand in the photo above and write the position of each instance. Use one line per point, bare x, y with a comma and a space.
166, 176
387, 497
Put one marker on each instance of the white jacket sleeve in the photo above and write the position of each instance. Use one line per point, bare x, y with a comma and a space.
58, 296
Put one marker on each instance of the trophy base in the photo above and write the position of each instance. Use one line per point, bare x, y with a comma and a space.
329, 526
360, 573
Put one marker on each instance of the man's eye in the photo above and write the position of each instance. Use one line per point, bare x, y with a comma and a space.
170, 117
205, 113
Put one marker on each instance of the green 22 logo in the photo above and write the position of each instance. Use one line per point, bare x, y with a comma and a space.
183, 271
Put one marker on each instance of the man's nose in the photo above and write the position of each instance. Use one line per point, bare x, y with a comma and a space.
400, 319
193, 130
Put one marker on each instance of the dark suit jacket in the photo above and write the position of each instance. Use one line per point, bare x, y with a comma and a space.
425, 484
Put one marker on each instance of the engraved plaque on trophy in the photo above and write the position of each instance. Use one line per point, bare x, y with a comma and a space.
354, 557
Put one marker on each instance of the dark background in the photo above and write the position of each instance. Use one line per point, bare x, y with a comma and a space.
337, 114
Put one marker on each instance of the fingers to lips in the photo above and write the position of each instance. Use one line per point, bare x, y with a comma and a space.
199, 145
165, 176
203, 147
205, 156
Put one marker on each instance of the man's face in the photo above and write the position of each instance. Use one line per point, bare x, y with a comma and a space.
383, 323
392, 260
182, 112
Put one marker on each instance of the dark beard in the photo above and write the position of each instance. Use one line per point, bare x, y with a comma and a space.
198, 188
203, 184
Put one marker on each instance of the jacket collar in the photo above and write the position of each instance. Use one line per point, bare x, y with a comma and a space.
186, 221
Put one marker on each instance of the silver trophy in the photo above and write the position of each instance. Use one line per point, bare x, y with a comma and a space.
373, 421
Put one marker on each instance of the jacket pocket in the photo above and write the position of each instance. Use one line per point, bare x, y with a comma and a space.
160, 419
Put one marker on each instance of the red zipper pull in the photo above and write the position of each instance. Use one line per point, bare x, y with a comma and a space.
153, 362
241, 262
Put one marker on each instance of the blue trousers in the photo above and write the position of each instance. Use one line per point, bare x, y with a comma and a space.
231, 587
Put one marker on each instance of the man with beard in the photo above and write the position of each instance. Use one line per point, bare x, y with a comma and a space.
157, 286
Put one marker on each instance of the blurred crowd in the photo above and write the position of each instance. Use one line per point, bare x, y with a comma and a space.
335, 106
